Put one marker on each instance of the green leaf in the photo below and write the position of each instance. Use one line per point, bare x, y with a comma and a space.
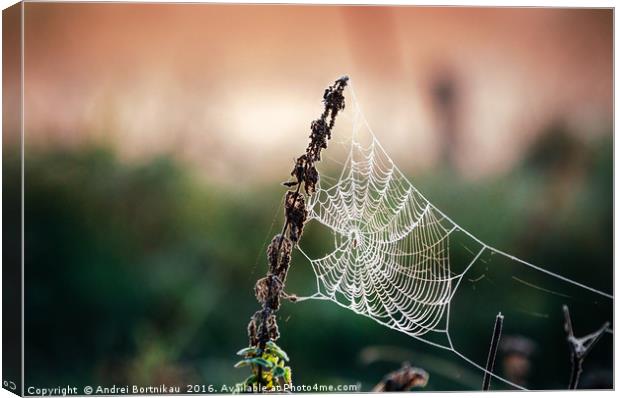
248, 351
243, 362
254, 361
261, 362
278, 371
250, 380
275, 349
287, 375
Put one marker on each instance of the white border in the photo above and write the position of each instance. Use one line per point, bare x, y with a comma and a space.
478, 3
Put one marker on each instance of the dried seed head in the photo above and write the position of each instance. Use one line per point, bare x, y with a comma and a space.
311, 179
279, 260
262, 332
299, 169
252, 331
261, 290
304, 170
275, 288
321, 132
334, 99
268, 290
272, 252
272, 327
285, 260
404, 379
295, 213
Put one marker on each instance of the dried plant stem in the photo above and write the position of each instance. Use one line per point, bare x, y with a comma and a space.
579, 347
269, 290
497, 333
265, 311
286, 222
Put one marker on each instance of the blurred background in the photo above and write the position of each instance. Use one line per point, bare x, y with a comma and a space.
157, 136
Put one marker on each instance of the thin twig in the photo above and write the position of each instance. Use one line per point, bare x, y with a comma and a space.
579, 347
497, 333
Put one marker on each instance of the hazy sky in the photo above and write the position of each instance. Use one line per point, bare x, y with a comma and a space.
211, 82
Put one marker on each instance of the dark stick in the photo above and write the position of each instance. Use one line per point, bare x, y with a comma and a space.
497, 333
579, 347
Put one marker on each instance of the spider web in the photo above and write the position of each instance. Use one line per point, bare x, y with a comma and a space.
391, 259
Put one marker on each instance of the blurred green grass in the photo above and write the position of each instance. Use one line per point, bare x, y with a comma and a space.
143, 272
